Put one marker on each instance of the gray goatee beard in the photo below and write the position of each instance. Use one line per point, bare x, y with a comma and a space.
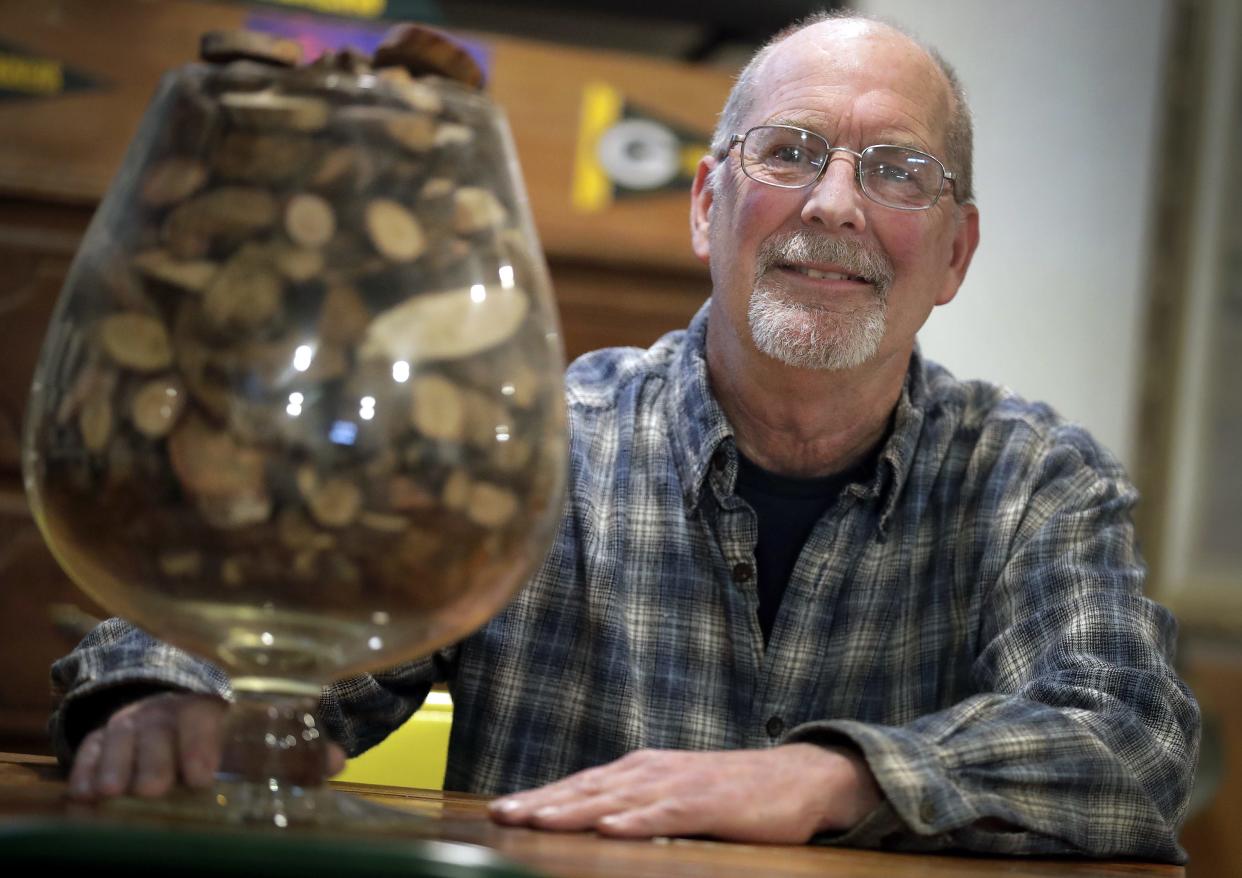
807, 336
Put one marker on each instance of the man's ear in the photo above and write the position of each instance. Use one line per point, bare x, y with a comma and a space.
701, 197
965, 241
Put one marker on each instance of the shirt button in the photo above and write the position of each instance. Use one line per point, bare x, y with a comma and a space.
742, 572
775, 726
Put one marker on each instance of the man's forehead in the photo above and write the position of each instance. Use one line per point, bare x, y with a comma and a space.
811, 75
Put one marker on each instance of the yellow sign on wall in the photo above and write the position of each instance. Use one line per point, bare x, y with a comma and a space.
624, 151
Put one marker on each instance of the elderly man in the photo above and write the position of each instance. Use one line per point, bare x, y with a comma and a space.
807, 585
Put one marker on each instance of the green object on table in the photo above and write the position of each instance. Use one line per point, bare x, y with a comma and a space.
143, 850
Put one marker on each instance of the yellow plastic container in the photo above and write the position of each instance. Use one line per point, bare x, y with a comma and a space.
414, 755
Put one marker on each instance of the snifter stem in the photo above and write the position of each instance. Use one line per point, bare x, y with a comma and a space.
273, 767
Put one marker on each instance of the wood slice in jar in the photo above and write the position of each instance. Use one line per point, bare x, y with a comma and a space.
350, 256
345, 167
439, 410
93, 381
95, 424
309, 220
120, 463
134, 341
393, 231
262, 158
344, 317
490, 506
334, 502
242, 75
273, 111
446, 325
486, 420
156, 406
346, 60
198, 364
406, 494
451, 134
275, 364
511, 456
227, 513
414, 132
383, 522
123, 284
436, 188
414, 94
223, 46
245, 295
455, 494
190, 275
230, 212
477, 210
416, 548
297, 264
210, 462
296, 531
181, 563
172, 180
426, 51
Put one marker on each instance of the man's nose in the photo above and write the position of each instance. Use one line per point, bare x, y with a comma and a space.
835, 201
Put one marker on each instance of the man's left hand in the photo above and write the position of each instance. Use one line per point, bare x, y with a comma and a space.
784, 795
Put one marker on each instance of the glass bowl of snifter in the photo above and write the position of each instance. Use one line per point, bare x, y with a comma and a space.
300, 407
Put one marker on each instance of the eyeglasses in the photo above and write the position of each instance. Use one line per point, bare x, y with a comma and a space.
794, 158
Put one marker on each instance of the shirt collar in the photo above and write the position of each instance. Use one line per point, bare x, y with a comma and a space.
702, 438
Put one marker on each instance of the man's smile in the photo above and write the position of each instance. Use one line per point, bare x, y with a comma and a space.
826, 273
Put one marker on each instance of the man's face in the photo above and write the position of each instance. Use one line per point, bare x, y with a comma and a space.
823, 277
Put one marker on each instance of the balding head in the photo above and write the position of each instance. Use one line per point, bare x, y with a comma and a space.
838, 27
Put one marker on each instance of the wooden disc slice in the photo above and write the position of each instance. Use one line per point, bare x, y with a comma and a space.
223, 46
426, 51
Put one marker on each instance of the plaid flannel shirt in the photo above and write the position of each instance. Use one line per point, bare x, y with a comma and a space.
971, 618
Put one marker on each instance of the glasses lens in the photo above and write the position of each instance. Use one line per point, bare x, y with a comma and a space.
901, 177
782, 156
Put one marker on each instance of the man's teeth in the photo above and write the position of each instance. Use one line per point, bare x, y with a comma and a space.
824, 275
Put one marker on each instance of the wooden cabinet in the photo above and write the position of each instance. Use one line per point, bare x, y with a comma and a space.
41, 613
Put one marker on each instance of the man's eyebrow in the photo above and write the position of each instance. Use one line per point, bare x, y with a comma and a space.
810, 124
799, 122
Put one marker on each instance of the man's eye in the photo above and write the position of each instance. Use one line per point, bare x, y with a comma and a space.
892, 173
787, 155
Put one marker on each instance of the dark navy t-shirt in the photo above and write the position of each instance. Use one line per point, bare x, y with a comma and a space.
787, 508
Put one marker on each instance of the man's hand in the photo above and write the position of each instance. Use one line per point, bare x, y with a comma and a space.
783, 795
148, 746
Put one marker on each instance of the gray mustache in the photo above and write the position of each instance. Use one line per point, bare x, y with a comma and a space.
873, 265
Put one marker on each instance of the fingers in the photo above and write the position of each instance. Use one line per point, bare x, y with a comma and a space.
775, 795
156, 770
661, 817
336, 759
199, 727
144, 748
574, 802
116, 759
85, 764
580, 800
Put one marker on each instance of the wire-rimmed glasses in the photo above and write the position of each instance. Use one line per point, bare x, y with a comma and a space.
789, 157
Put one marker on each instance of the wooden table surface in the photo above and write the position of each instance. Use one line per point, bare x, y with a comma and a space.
32, 786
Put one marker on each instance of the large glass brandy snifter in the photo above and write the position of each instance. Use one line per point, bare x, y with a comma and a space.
300, 408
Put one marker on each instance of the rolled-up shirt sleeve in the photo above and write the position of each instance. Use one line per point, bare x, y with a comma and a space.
1081, 739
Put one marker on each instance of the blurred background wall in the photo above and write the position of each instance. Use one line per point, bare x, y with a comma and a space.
1067, 103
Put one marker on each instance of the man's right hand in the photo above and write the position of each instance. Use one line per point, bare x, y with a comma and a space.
148, 746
